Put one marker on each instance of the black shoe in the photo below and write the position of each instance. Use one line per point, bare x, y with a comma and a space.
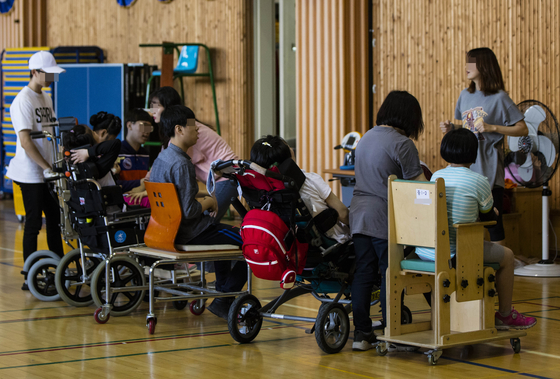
25, 287
363, 341
220, 307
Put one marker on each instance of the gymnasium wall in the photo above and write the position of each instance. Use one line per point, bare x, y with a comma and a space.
420, 47
225, 26
25, 25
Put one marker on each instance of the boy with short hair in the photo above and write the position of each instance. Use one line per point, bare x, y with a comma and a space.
134, 158
32, 111
468, 196
173, 165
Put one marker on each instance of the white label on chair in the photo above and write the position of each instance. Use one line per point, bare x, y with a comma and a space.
422, 197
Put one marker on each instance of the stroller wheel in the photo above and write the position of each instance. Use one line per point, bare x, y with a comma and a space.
125, 272
70, 270
332, 327
406, 315
197, 307
179, 304
244, 320
40, 279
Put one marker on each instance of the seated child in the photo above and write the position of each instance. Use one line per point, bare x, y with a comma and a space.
102, 153
315, 192
173, 165
106, 126
469, 193
134, 158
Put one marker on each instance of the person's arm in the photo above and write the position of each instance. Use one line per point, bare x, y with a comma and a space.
108, 152
519, 129
31, 149
421, 178
210, 204
447, 125
334, 202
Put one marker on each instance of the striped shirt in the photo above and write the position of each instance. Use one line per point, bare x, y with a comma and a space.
467, 193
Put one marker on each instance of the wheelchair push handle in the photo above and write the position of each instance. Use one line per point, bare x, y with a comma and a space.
83, 181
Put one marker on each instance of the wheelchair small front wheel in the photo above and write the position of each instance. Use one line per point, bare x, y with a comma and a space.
244, 319
332, 327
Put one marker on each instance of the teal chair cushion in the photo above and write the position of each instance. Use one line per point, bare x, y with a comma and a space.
428, 266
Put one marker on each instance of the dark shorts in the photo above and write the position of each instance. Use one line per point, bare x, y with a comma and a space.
497, 232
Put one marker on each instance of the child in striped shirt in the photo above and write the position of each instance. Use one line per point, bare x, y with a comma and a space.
468, 196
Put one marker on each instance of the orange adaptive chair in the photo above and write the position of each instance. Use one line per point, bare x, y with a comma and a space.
166, 216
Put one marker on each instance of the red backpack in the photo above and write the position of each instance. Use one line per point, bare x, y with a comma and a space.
264, 248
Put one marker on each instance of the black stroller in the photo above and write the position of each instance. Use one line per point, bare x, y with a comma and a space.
329, 266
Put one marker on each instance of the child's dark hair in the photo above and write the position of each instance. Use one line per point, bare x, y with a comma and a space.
106, 121
459, 146
401, 110
78, 136
167, 96
269, 150
138, 114
172, 116
487, 65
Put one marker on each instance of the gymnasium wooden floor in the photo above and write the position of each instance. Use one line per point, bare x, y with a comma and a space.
46, 340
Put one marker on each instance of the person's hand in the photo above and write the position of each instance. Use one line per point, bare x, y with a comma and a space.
140, 188
48, 173
79, 156
445, 126
116, 169
136, 197
482, 127
213, 208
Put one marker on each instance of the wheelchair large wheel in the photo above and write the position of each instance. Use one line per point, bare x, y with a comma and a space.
40, 279
125, 272
332, 327
244, 320
70, 270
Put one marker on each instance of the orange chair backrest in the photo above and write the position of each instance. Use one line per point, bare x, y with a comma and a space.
166, 216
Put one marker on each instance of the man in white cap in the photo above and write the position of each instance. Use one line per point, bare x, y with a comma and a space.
32, 111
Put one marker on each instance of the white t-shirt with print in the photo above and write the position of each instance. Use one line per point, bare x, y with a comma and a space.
314, 193
29, 111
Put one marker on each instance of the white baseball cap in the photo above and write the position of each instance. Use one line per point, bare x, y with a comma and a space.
43, 60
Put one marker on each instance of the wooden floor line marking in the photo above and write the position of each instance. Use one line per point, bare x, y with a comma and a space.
115, 356
347, 372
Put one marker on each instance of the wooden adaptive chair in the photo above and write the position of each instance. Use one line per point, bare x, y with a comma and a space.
463, 296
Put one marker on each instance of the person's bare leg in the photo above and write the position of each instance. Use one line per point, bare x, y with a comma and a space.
504, 282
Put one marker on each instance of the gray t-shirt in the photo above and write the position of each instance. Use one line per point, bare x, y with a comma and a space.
496, 109
381, 152
173, 165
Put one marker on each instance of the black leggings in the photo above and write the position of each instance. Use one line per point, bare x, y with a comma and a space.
37, 199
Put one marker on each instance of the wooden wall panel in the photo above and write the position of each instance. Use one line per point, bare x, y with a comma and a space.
223, 25
332, 76
421, 48
24, 26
